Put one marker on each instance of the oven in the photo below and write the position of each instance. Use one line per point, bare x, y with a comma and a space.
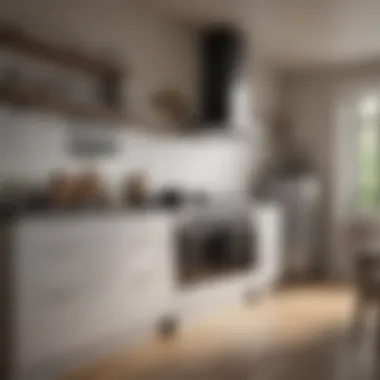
212, 246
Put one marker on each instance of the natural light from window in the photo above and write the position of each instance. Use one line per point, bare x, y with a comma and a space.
369, 154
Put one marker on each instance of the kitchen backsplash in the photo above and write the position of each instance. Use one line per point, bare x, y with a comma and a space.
33, 146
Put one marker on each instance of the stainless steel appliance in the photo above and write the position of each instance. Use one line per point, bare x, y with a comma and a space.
300, 198
212, 245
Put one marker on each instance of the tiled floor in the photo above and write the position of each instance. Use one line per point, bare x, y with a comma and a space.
299, 333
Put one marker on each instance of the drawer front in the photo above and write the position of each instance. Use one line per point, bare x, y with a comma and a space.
90, 264
84, 279
57, 324
53, 245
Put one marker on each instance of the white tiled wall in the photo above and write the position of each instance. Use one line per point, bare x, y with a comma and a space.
32, 146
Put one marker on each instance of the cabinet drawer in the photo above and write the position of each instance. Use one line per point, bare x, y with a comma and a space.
55, 325
86, 279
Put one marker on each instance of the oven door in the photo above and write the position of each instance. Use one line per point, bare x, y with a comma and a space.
215, 247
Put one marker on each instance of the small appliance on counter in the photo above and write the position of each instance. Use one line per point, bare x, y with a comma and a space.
170, 197
175, 197
86, 190
90, 191
61, 190
135, 191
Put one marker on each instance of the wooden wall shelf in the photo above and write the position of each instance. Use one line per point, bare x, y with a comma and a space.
69, 108
107, 76
22, 42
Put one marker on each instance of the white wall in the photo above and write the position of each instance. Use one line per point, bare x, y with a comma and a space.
33, 145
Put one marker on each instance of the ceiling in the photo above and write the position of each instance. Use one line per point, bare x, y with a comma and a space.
294, 32
199, 12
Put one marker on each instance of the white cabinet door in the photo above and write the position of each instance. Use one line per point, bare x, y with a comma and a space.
81, 280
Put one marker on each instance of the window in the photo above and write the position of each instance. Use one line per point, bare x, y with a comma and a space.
369, 154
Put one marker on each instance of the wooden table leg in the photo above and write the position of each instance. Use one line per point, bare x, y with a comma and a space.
376, 356
356, 326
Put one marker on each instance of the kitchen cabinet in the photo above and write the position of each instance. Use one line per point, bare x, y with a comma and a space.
80, 282
78, 288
